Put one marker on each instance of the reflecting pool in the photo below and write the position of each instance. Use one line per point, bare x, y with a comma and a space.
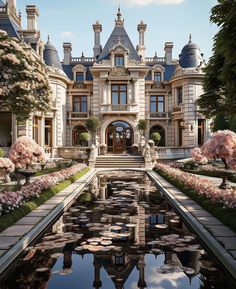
120, 233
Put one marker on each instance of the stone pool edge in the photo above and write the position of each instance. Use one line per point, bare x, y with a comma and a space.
8, 258
219, 251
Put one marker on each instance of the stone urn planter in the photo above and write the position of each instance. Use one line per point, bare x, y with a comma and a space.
27, 173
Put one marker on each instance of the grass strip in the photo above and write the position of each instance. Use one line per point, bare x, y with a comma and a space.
226, 215
12, 217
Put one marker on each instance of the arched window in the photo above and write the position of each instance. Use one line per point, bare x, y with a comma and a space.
77, 130
161, 131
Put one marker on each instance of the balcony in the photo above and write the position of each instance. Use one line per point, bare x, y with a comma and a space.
178, 112
119, 108
159, 115
77, 115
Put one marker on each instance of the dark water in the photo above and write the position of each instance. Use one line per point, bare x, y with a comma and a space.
120, 234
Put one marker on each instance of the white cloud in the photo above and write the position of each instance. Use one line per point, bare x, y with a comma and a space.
143, 3
67, 34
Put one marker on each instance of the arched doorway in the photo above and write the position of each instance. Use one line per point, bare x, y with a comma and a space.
161, 131
119, 137
76, 131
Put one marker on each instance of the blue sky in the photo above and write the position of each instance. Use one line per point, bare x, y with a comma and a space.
167, 20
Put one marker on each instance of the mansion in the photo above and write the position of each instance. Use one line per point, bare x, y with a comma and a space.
119, 84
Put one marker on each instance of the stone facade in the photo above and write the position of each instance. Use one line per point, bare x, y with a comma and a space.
119, 85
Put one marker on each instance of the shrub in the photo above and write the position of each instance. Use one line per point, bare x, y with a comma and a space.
156, 137
2, 153
85, 137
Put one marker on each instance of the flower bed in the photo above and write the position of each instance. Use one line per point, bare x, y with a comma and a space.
203, 186
9, 201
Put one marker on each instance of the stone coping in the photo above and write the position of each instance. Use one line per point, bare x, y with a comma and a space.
19, 236
216, 236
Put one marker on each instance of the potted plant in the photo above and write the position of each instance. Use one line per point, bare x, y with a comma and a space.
85, 137
156, 137
93, 124
142, 126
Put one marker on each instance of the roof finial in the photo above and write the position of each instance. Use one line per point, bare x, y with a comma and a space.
119, 13
190, 38
48, 38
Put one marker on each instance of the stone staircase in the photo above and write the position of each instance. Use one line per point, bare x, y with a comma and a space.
119, 161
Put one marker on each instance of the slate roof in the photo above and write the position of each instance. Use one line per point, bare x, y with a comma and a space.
169, 71
68, 69
190, 55
119, 34
10, 27
51, 56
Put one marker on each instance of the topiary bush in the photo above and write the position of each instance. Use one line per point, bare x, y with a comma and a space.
85, 137
156, 137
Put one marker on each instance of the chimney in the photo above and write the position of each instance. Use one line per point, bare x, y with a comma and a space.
141, 47
32, 14
168, 52
67, 47
97, 28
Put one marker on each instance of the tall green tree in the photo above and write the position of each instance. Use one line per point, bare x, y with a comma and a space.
220, 79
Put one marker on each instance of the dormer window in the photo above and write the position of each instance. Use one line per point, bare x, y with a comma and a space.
119, 60
157, 77
158, 73
79, 76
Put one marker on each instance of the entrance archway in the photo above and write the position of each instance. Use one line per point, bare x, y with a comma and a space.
119, 137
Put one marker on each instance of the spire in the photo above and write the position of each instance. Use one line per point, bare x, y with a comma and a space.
119, 21
48, 38
119, 14
190, 38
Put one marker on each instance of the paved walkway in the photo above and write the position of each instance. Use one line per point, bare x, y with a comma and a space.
17, 237
223, 243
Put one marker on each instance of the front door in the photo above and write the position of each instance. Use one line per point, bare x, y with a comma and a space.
119, 137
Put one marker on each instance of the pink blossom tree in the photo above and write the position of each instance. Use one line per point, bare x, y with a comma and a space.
25, 152
6, 167
221, 145
24, 85
196, 154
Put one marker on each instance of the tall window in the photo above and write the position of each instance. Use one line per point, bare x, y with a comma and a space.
36, 129
119, 94
79, 76
157, 77
119, 60
48, 132
80, 103
179, 92
157, 103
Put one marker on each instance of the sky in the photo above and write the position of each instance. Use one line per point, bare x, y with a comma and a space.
167, 20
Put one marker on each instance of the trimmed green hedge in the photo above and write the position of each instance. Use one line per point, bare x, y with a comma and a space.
14, 216
225, 215
208, 174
